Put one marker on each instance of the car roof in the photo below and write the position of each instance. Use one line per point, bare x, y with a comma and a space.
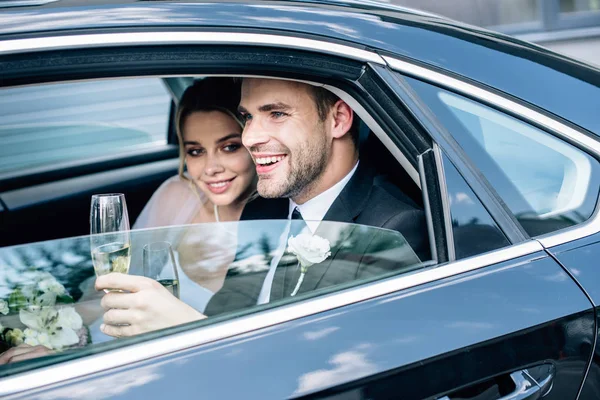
518, 68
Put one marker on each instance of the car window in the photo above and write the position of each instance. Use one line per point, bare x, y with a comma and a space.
547, 183
42, 125
473, 228
47, 291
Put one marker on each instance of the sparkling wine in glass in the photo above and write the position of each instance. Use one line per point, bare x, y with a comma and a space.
159, 264
110, 237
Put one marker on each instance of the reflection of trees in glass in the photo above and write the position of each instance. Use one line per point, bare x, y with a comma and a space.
265, 247
247, 261
68, 261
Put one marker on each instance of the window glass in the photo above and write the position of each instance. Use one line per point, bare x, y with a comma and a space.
481, 13
47, 291
547, 183
47, 124
579, 6
474, 230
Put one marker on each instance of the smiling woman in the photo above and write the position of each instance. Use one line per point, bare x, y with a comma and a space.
220, 175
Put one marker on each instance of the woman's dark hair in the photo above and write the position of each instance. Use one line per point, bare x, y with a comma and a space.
208, 94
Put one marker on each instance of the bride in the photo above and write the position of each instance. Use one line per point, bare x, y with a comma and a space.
220, 179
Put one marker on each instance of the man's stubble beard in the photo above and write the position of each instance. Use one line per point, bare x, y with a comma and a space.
307, 164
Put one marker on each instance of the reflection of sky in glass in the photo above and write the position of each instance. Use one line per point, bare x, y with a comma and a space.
546, 183
74, 121
204, 246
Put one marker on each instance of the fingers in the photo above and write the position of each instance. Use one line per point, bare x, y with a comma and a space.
23, 352
117, 317
122, 301
130, 283
119, 331
38, 351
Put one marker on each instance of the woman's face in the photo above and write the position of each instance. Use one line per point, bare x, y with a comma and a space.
215, 157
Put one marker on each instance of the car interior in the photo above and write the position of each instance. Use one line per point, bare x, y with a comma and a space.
52, 200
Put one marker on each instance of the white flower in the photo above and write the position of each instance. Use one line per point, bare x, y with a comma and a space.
31, 337
41, 319
309, 249
30, 333
35, 338
50, 284
62, 338
69, 318
3, 307
55, 328
44, 340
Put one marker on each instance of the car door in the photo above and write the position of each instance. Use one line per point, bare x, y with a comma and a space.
486, 325
489, 321
493, 313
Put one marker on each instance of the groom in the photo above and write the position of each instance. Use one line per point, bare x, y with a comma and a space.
304, 142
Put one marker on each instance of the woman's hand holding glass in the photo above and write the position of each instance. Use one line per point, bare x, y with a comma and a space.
147, 307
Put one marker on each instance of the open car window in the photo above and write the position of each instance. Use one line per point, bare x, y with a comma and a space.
47, 288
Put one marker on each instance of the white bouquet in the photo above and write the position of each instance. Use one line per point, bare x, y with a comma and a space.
46, 313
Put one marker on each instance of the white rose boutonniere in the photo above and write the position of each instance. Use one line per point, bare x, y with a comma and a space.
309, 250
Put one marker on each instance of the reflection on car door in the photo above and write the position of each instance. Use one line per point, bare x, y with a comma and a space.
464, 334
580, 258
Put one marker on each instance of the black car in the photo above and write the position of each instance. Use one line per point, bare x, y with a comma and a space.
496, 139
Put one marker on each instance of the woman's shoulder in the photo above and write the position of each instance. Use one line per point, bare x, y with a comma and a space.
173, 203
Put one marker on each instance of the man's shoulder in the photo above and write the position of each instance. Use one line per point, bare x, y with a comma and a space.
385, 202
386, 191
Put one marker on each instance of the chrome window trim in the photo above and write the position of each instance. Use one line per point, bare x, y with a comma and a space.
24, 3
559, 129
15, 46
146, 350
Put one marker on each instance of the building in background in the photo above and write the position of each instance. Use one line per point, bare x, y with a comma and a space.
571, 27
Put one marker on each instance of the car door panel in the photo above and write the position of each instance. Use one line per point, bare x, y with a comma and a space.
580, 258
61, 208
421, 342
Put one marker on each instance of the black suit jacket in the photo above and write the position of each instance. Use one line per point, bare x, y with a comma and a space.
357, 251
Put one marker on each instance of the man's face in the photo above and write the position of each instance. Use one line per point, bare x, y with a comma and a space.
288, 142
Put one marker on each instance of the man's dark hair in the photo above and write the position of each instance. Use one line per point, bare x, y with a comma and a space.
324, 100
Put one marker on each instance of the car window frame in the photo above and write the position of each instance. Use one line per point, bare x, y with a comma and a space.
528, 113
184, 337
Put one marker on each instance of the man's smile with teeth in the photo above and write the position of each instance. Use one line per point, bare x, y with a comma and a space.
269, 160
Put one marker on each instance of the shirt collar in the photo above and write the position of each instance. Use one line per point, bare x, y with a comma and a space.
314, 210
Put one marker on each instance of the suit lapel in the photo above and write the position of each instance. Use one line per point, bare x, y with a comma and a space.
346, 207
336, 237
353, 198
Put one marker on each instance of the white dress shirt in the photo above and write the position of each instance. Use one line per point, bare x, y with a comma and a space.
313, 212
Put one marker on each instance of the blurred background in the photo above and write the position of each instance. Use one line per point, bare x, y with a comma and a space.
571, 27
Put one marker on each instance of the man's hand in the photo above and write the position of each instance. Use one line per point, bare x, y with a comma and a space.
147, 307
23, 352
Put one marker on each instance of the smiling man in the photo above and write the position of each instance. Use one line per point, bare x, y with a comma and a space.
294, 132
304, 142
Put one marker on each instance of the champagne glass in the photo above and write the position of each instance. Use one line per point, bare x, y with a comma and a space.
110, 237
159, 264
